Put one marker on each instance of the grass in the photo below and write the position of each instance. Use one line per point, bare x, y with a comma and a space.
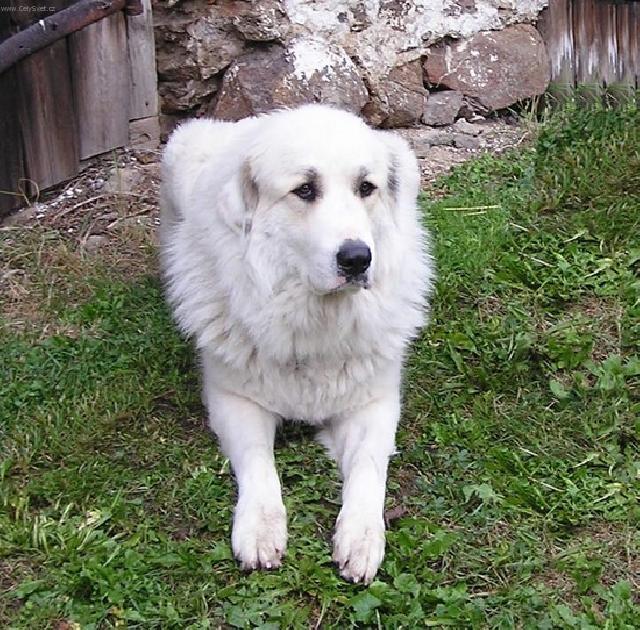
513, 501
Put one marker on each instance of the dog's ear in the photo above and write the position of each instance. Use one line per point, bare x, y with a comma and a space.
250, 195
403, 175
239, 199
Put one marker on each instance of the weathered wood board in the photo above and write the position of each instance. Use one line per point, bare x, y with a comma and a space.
74, 99
100, 70
142, 62
593, 45
46, 116
11, 153
555, 27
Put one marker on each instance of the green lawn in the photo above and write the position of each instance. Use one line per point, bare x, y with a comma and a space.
513, 500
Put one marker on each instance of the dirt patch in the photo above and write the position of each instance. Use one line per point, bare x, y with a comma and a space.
121, 188
112, 189
37, 270
104, 222
439, 149
605, 318
402, 487
602, 553
490, 306
12, 573
620, 548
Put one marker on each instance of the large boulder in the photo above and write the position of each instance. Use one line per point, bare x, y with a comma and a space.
189, 54
260, 20
494, 68
442, 108
307, 70
397, 100
196, 41
387, 33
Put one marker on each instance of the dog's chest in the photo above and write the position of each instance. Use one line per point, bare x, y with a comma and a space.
306, 363
314, 391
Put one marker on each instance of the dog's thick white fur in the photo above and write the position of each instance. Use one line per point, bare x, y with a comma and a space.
254, 214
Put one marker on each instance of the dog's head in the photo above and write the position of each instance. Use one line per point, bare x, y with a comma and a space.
320, 191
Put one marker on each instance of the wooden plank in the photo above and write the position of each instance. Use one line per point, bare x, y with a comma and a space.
54, 27
142, 61
608, 41
100, 69
624, 86
609, 70
46, 116
626, 74
587, 49
634, 42
11, 150
555, 25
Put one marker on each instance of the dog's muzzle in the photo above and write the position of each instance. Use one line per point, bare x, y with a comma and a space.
360, 281
353, 259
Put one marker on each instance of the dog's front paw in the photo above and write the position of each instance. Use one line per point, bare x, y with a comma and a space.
259, 536
358, 545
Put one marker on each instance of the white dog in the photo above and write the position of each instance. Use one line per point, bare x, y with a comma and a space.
294, 256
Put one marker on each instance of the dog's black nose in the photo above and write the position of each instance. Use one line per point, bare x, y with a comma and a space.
353, 257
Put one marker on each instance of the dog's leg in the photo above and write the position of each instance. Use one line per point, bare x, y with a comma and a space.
362, 443
246, 432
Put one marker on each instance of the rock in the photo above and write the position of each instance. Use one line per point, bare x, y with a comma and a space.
423, 140
462, 126
428, 138
130, 178
260, 20
190, 52
468, 110
178, 97
386, 33
465, 5
465, 141
442, 108
398, 99
94, 243
144, 133
494, 68
213, 46
168, 123
307, 70
196, 40
123, 180
23, 216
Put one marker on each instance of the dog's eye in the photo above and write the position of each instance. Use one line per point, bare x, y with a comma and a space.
306, 192
366, 188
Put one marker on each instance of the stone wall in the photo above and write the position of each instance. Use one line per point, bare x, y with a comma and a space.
379, 57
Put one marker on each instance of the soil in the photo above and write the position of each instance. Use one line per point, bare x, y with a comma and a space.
120, 189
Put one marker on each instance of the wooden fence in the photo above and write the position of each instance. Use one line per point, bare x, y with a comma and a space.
594, 45
85, 94
96, 89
